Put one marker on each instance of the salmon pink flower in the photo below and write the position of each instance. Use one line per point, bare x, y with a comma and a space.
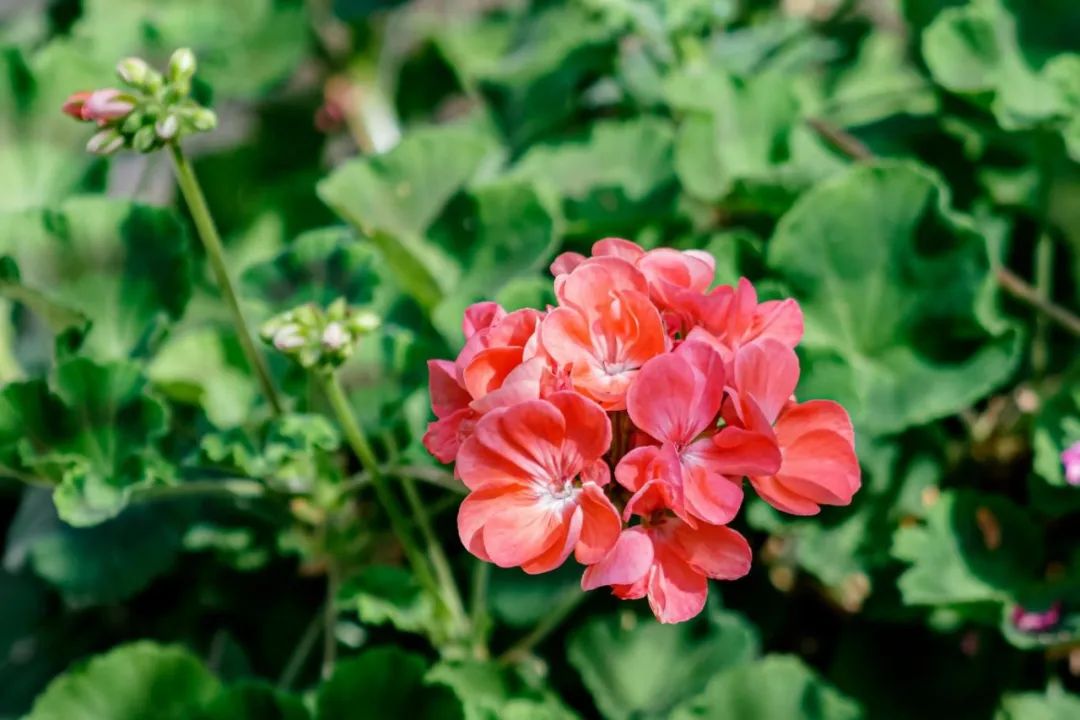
536, 479
646, 372
696, 469
604, 329
816, 439
669, 562
493, 370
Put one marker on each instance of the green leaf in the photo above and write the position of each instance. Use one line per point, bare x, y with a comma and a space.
384, 682
42, 156
973, 50
1057, 428
1054, 705
744, 136
777, 687
895, 289
488, 691
617, 175
204, 366
973, 548
319, 267
138, 681
879, 84
93, 433
124, 266
515, 231
530, 63
395, 198
91, 566
388, 594
243, 46
521, 600
618, 657
253, 700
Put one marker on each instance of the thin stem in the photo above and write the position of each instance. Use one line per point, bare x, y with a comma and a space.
1015, 286
207, 231
521, 649
399, 522
432, 476
435, 554
302, 651
1044, 274
330, 611
479, 601
841, 139
230, 487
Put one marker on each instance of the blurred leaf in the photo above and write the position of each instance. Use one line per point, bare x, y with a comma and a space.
973, 50
124, 266
618, 657
1057, 427
92, 433
515, 231
1054, 705
98, 565
900, 330
973, 548
138, 681
204, 367
879, 84
253, 701
394, 199
319, 267
520, 600
744, 135
777, 687
243, 46
41, 150
615, 176
530, 63
490, 692
389, 594
384, 682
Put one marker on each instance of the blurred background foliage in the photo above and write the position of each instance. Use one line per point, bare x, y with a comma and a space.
907, 169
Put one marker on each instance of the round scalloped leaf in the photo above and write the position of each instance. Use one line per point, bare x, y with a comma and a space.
139, 681
895, 288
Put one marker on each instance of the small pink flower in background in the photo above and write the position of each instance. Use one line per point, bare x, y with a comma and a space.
536, 475
1070, 459
646, 372
1036, 621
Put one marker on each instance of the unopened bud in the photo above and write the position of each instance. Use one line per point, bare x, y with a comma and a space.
203, 119
75, 105
334, 336
167, 127
134, 71
107, 104
288, 338
182, 67
364, 321
145, 139
105, 142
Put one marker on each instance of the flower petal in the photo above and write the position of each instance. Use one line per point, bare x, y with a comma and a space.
715, 550
600, 525
627, 562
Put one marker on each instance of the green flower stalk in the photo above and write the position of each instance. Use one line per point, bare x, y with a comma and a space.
157, 111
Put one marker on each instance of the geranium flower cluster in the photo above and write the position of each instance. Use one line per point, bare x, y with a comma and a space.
619, 426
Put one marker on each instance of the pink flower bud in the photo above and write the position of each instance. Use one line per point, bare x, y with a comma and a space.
75, 105
107, 104
1071, 460
1031, 621
288, 338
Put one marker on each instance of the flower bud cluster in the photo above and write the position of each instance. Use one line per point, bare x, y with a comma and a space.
154, 108
316, 337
